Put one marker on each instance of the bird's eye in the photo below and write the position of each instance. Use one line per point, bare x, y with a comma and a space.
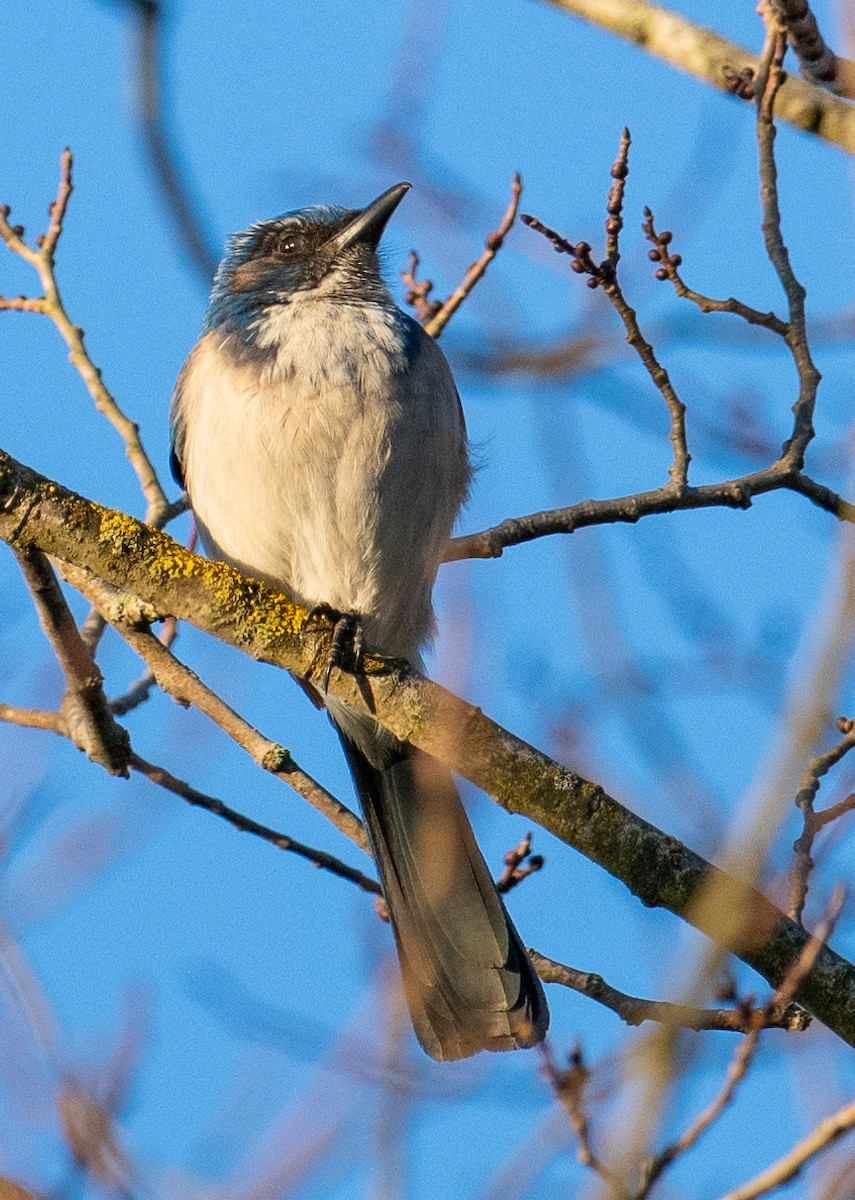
289, 245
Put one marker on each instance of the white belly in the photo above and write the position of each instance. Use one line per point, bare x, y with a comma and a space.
339, 486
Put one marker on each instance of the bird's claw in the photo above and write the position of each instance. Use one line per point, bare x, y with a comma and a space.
348, 639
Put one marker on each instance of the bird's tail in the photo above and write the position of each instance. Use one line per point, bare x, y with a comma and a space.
468, 980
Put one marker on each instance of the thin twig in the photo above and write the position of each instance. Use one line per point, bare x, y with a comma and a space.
319, 858
769, 81
51, 305
569, 1084
438, 320
614, 203
418, 291
140, 690
747, 1049
187, 688
818, 62
788, 1167
604, 275
519, 864
730, 493
668, 264
84, 708
812, 821
634, 1011
56, 723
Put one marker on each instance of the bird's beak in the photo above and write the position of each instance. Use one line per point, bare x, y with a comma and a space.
368, 225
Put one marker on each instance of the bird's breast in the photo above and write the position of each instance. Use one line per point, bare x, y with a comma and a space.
326, 461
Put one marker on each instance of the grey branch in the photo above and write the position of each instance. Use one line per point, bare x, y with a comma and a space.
634, 1011
818, 63
706, 55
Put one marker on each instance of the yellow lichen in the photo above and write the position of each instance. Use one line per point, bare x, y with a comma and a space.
268, 619
119, 532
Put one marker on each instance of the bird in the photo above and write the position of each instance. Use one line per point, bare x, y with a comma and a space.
319, 435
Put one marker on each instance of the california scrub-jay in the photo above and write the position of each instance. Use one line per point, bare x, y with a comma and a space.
319, 435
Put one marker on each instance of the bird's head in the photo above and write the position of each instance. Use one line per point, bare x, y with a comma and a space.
313, 253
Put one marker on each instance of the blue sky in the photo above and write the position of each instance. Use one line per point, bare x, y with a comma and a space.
655, 658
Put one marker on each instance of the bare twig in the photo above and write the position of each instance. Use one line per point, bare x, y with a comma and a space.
787, 472
604, 274
635, 1011
818, 62
418, 291
668, 268
438, 320
158, 508
788, 1167
187, 688
141, 689
715, 60
730, 493
84, 708
55, 723
318, 858
519, 864
614, 203
569, 1085
812, 821
769, 82
744, 1056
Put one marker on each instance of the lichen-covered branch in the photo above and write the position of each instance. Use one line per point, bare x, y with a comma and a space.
247, 614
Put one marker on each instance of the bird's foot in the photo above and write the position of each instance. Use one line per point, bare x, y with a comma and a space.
348, 639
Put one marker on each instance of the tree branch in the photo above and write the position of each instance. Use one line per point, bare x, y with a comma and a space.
84, 709
318, 858
635, 1011
730, 493
158, 508
253, 617
717, 61
790, 1166
185, 686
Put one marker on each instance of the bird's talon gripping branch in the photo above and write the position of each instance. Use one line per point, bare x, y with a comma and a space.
347, 643
347, 646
